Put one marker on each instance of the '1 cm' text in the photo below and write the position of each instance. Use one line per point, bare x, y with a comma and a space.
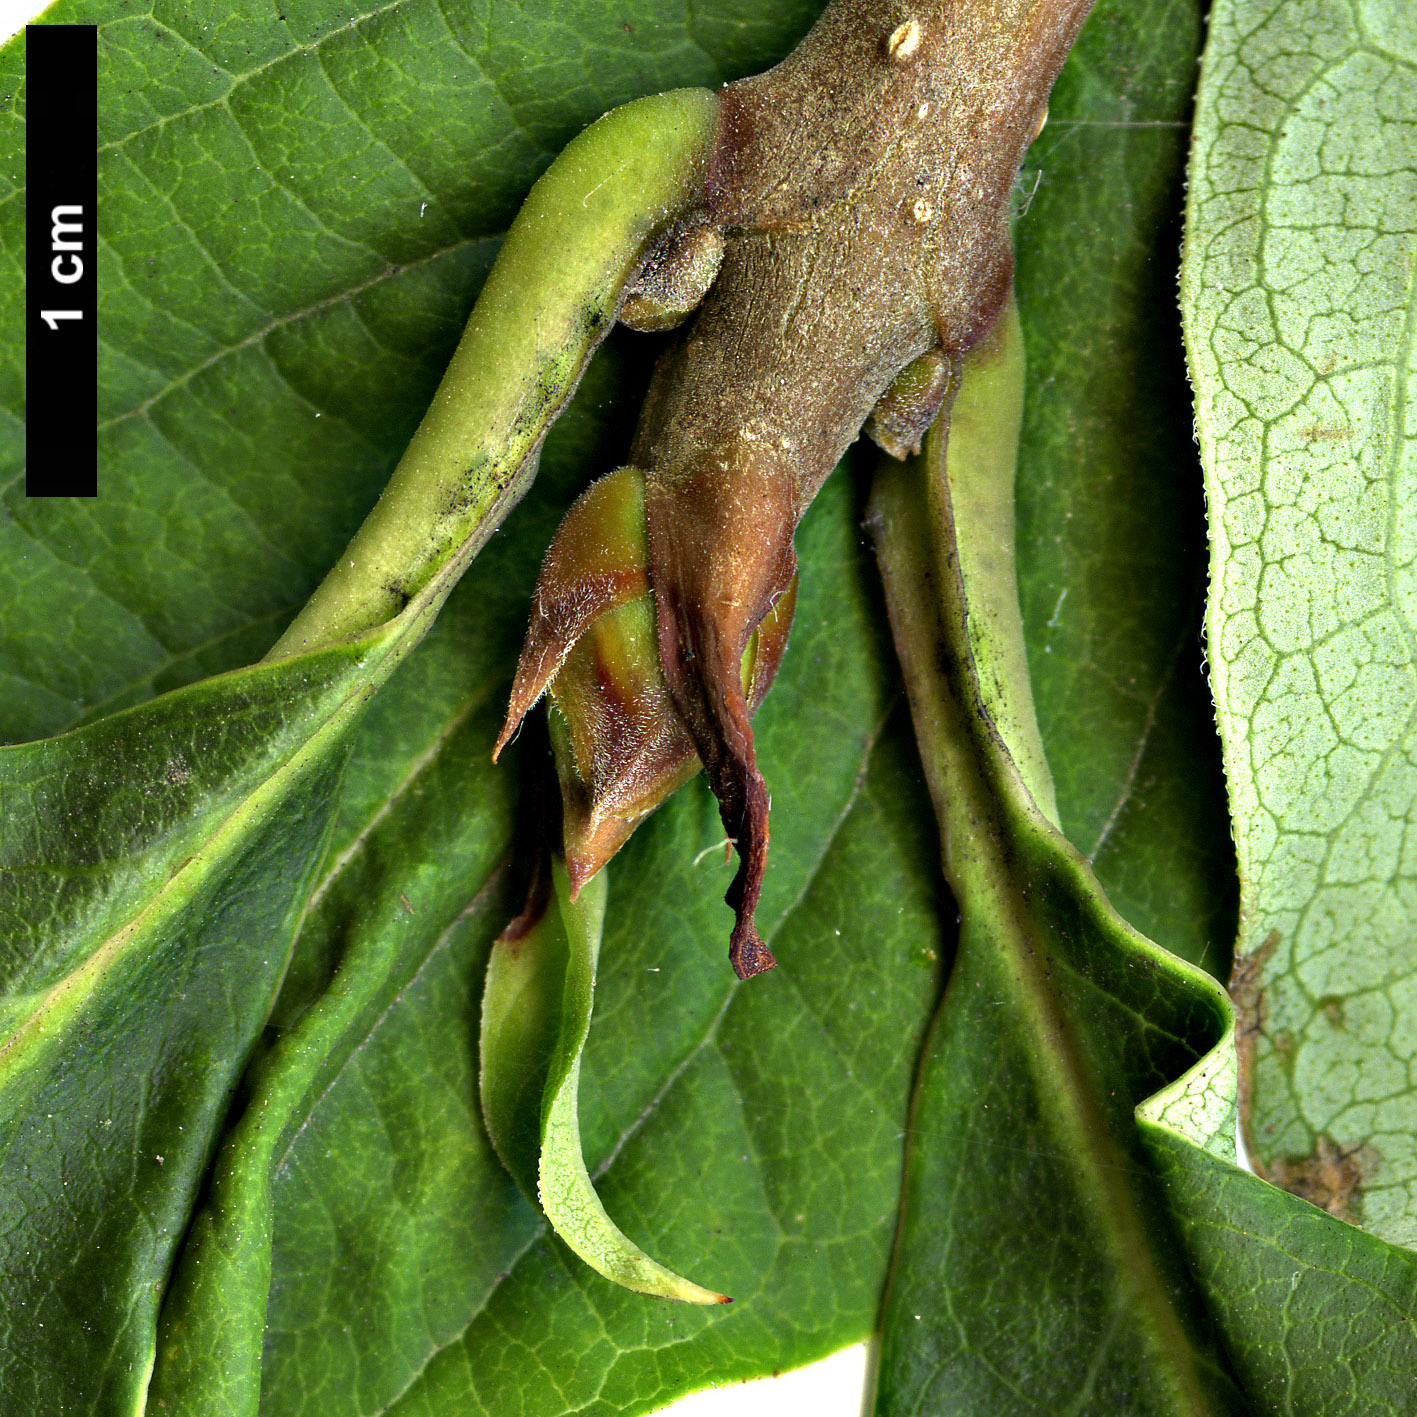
66, 235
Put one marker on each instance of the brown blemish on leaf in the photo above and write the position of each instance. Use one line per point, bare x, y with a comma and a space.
1331, 1177
1247, 994
1319, 433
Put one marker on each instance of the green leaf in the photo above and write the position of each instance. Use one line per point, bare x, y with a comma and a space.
1299, 303
153, 872
1057, 1019
1317, 1317
536, 1009
1071, 1287
109, 907
707, 1130
298, 207
399, 1257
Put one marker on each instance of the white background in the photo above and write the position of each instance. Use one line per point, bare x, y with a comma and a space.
831, 1388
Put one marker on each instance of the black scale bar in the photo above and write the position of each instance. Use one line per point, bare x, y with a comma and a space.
61, 326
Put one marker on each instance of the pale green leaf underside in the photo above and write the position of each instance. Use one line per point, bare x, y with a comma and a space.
1299, 302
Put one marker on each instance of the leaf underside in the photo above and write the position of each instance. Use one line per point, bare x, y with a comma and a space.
1300, 303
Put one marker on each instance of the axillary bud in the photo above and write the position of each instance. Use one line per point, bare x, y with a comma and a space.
673, 279
593, 647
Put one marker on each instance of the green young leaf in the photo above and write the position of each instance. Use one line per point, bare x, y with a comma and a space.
748, 1134
1299, 304
536, 1010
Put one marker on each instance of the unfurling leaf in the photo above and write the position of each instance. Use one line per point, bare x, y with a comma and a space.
535, 1020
